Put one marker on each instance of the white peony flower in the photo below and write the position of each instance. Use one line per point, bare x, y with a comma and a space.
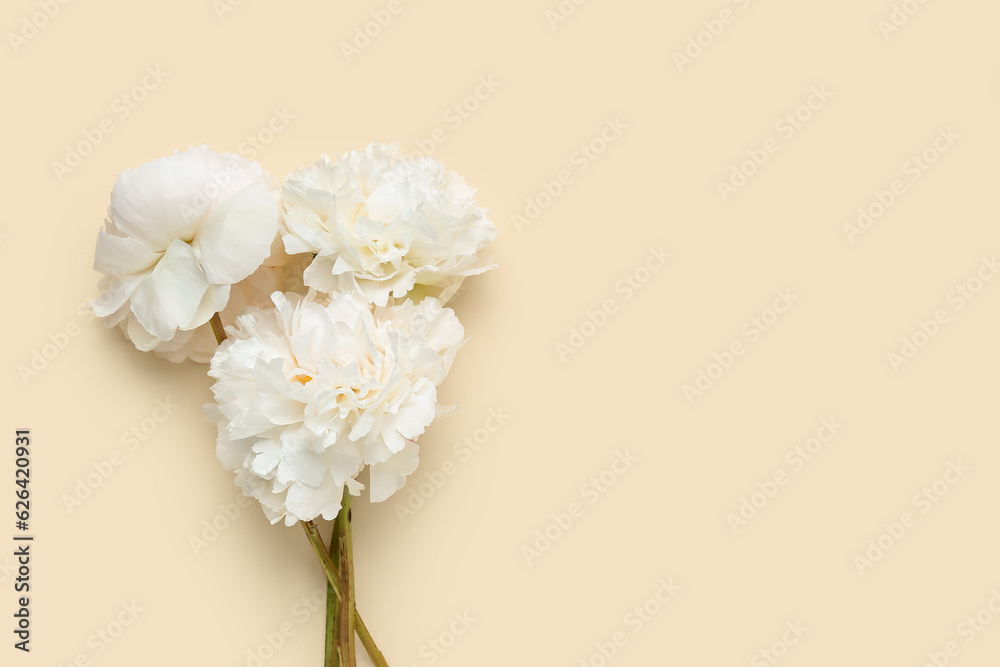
384, 223
309, 392
199, 344
180, 232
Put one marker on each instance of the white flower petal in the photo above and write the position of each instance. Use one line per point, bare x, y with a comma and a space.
344, 388
236, 237
214, 301
224, 204
142, 339
386, 223
152, 203
122, 255
169, 298
389, 476
115, 293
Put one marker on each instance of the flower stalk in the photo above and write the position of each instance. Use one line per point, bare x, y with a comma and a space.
336, 652
368, 642
333, 609
218, 329
342, 617
316, 540
347, 606
232, 239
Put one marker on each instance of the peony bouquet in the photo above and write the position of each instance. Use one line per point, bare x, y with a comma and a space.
319, 305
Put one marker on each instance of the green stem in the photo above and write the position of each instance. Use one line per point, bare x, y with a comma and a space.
333, 603
346, 582
333, 607
341, 551
332, 576
368, 642
218, 329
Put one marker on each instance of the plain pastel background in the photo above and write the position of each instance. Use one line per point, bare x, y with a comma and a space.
654, 186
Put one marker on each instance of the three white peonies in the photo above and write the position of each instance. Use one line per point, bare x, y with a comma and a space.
311, 389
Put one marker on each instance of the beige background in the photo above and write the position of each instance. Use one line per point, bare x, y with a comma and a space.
655, 185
